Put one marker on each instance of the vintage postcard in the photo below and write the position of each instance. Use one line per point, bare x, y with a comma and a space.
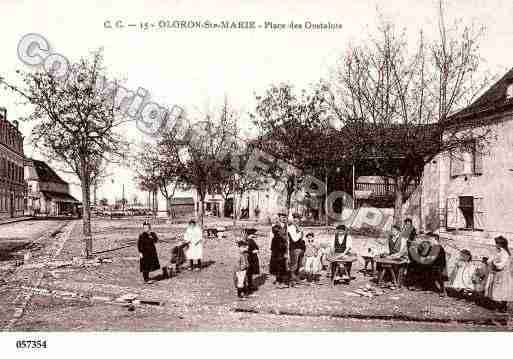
244, 166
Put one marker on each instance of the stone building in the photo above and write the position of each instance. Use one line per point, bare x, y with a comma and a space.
470, 192
12, 184
48, 194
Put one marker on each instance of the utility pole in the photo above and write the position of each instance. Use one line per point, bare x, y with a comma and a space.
123, 198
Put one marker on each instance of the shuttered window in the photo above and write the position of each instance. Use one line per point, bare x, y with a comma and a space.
457, 163
452, 213
477, 157
479, 214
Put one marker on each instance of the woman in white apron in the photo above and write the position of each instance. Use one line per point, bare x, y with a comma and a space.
193, 236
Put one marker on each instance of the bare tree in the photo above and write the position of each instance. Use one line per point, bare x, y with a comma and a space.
76, 122
395, 99
200, 152
154, 170
288, 122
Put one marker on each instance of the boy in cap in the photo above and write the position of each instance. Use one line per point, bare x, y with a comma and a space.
240, 273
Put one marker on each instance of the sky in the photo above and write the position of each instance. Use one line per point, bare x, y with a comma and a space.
196, 68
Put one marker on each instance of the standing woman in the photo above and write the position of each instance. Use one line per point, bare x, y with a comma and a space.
148, 258
193, 236
278, 262
254, 263
499, 282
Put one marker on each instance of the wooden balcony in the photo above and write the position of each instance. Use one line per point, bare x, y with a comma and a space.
380, 190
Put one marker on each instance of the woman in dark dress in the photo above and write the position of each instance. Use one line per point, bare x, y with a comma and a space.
278, 262
149, 260
254, 263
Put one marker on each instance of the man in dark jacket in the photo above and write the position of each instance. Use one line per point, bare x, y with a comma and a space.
149, 260
279, 255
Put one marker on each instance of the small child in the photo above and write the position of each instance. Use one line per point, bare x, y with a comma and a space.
461, 276
479, 277
239, 275
312, 259
369, 259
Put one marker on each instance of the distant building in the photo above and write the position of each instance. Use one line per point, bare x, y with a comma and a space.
181, 206
12, 184
48, 194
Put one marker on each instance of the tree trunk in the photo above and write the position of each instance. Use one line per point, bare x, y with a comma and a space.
201, 211
86, 208
155, 204
398, 203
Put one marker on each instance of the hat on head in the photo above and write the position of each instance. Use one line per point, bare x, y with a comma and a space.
296, 215
310, 234
466, 253
242, 243
501, 241
282, 214
341, 227
424, 248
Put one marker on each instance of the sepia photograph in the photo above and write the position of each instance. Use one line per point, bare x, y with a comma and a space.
255, 166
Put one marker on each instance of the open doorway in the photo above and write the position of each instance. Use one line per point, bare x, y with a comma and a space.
467, 210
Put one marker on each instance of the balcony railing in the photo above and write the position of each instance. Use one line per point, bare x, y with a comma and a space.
381, 190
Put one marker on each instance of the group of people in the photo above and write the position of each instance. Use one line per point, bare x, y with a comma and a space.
190, 249
490, 280
292, 251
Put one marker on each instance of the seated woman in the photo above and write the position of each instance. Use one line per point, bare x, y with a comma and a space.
460, 280
397, 248
341, 248
431, 264
397, 244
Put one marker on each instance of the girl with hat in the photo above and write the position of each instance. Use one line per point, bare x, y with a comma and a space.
499, 282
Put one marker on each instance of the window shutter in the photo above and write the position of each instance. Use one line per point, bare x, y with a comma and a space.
452, 213
478, 158
479, 213
457, 164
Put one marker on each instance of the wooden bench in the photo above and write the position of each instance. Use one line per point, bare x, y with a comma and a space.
396, 268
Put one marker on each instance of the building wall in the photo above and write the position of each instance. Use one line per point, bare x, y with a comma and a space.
12, 185
492, 190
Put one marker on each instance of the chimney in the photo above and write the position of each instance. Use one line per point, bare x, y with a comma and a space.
15, 123
3, 113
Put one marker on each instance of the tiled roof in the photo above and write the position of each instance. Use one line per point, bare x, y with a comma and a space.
492, 101
181, 201
45, 173
60, 197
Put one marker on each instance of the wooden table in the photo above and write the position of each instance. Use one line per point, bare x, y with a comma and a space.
394, 267
336, 266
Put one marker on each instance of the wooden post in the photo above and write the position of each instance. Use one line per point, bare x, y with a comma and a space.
326, 197
354, 185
